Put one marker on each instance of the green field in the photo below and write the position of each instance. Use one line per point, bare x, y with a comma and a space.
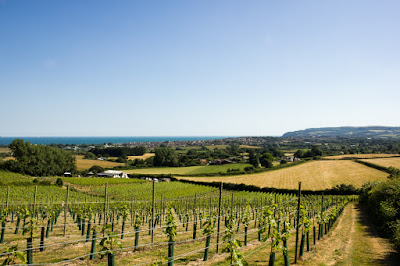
191, 170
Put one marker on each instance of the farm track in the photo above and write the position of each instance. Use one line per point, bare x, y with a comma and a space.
353, 241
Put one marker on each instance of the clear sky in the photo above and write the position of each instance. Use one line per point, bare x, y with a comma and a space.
196, 67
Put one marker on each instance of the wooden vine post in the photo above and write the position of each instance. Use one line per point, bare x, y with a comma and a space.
152, 214
29, 251
297, 223
65, 211
219, 214
8, 193
321, 229
93, 248
105, 205
195, 217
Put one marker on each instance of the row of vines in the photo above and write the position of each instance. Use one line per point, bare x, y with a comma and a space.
108, 225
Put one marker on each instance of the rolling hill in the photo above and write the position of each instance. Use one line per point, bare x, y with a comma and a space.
367, 132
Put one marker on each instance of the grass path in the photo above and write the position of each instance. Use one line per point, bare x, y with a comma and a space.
352, 242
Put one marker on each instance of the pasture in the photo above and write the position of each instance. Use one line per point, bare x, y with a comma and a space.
191, 170
360, 156
385, 162
314, 175
83, 164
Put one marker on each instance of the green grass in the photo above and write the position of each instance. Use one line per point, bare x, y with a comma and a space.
97, 181
9, 178
191, 170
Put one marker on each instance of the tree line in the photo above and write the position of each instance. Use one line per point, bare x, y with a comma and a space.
119, 151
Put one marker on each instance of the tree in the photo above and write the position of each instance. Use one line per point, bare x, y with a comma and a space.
121, 159
266, 163
165, 157
268, 156
299, 154
96, 169
315, 151
253, 159
40, 160
89, 155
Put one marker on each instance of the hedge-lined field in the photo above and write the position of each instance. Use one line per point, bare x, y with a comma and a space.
385, 162
360, 156
315, 175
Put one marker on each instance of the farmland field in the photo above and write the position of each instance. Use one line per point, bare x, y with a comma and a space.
315, 175
8, 158
360, 156
191, 170
4, 150
141, 157
83, 164
386, 162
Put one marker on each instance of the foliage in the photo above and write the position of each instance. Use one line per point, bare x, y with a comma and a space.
89, 155
96, 169
266, 163
120, 151
165, 157
232, 244
394, 172
246, 216
39, 160
13, 255
383, 202
254, 159
170, 230
30, 225
59, 182
110, 242
208, 225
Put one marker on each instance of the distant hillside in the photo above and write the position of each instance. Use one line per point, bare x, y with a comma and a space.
367, 132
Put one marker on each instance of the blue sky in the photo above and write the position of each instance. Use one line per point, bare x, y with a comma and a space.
219, 68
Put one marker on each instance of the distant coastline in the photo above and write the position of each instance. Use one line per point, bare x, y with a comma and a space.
101, 140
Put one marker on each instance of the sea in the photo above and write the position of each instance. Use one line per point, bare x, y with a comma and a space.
102, 140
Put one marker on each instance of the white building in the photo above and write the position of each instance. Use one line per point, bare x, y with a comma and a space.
113, 174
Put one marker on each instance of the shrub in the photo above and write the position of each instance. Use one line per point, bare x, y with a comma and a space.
383, 202
249, 169
59, 182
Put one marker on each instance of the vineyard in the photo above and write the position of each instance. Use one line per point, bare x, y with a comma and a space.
157, 223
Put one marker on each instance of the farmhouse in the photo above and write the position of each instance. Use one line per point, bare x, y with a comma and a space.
113, 174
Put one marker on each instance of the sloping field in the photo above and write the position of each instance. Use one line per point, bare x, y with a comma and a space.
83, 164
386, 162
315, 175
360, 156
191, 170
